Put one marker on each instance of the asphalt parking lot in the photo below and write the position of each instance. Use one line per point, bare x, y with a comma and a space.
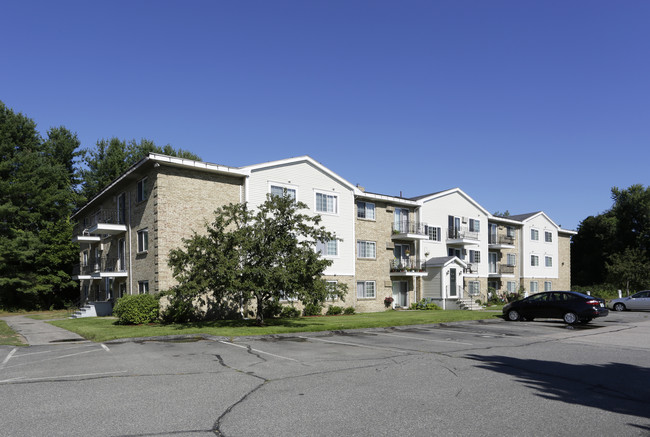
472, 378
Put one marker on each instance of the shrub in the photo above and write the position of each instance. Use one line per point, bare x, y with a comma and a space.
271, 309
136, 309
334, 310
424, 305
289, 312
348, 311
312, 309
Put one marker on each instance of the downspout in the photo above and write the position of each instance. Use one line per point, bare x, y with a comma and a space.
128, 231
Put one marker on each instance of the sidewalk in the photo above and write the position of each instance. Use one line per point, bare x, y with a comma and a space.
38, 332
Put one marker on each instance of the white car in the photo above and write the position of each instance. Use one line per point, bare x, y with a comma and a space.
638, 301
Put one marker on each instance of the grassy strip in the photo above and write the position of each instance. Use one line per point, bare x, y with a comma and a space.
8, 336
104, 328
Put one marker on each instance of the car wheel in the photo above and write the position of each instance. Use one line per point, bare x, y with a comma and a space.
619, 307
570, 318
513, 315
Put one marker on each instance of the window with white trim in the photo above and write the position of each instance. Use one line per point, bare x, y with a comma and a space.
280, 191
511, 259
366, 289
366, 249
327, 203
143, 240
141, 193
534, 234
548, 237
84, 263
432, 232
331, 287
474, 256
511, 286
533, 287
474, 288
365, 210
534, 260
548, 286
474, 225
328, 248
548, 261
510, 231
143, 287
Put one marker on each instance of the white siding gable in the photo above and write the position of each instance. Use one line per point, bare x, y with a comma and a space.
540, 248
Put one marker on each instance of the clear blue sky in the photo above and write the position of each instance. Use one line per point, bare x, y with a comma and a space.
525, 105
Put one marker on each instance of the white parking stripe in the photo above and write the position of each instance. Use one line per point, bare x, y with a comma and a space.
55, 358
422, 339
357, 345
45, 378
257, 350
105, 347
8, 357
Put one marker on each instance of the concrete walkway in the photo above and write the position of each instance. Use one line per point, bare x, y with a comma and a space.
38, 332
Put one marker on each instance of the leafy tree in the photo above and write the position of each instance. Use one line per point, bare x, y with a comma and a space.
36, 199
110, 158
629, 270
258, 257
591, 247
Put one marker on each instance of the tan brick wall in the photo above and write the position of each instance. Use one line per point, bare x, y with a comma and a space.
564, 265
184, 202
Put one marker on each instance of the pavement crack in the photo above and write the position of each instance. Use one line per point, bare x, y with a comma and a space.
217, 425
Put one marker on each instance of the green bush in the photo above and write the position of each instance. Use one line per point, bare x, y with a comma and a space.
271, 309
348, 311
312, 309
424, 305
136, 309
289, 312
334, 310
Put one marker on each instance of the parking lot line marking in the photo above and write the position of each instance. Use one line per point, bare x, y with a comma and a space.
105, 347
58, 348
9, 355
23, 379
258, 351
423, 339
55, 358
357, 345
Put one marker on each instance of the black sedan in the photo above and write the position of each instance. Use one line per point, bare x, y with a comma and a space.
570, 306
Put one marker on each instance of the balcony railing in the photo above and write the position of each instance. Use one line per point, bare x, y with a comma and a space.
472, 268
501, 269
105, 216
501, 239
409, 264
461, 233
409, 228
100, 265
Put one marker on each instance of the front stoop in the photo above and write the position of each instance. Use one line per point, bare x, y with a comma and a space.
468, 303
93, 309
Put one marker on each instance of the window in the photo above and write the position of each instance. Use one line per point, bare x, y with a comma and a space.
366, 289
511, 287
328, 248
142, 190
331, 286
327, 203
85, 258
511, 259
548, 237
534, 234
534, 260
510, 231
143, 240
533, 287
474, 288
365, 210
143, 287
277, 190
474, 225
366, 249
548, 261
474, 256
284, 297
548, 285
433, 233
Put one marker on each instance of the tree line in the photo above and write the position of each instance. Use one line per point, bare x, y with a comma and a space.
43, 180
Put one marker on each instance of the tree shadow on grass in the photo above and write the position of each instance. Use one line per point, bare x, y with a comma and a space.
614, 387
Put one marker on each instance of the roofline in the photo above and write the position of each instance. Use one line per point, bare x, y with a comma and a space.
385, 198
454, 190
165, 160
495, 218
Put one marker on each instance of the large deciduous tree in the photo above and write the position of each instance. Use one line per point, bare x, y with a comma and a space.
36, 198
256, 256
110, 158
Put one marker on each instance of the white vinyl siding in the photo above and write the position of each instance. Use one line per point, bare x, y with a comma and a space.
366, 289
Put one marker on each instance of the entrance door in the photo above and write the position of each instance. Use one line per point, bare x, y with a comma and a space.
400, 291
402, 254
401, 220
452, 283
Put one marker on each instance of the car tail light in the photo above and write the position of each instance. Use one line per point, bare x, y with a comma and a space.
593, 302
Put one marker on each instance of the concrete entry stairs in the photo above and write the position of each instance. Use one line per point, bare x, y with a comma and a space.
468, 303
93, 309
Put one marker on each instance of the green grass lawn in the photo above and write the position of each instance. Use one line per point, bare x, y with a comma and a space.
8, 336
104, 328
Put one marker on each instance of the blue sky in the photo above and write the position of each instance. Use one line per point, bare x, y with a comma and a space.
524, 105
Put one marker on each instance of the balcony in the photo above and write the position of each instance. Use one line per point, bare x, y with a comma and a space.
105, 267
501, 242
106, 221
471, 269
501, 270
409, 231
462, 236
410, 266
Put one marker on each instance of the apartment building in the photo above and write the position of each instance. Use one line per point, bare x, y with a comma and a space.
444, 246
